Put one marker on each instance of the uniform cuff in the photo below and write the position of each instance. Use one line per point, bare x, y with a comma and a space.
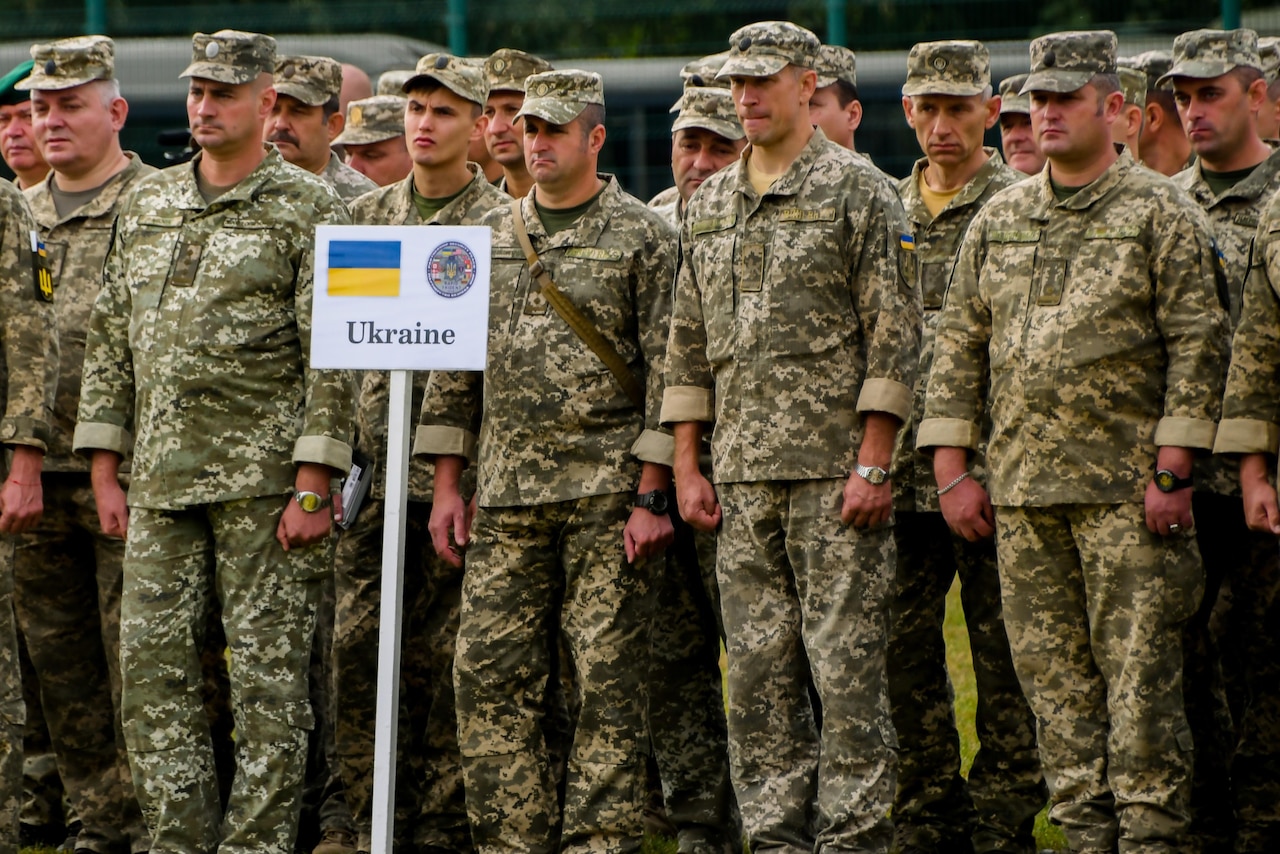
947, 433
687, 403
25, 431
1185, 433
323, 450
433, 440
882, 395
1246, 436
90, 436
654, 446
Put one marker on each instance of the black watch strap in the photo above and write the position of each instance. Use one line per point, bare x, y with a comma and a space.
655, 502
1167, 481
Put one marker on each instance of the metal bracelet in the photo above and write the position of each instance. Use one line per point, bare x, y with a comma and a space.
953, 484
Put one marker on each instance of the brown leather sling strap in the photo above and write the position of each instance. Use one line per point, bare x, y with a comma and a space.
581, 326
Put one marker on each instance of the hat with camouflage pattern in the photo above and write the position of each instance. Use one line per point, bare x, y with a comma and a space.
231, 56
1133, 83
70, 62
836, 63
1064, 62
507, 69
373, 119
459, 75
9, 93
1155, 64
709, 108
948, 68
1212, 53
1011, 98
1269, 54
392, 82
560, 96
703, 70
765, 48
313, 80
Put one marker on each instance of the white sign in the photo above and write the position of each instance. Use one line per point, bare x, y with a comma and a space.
401, 297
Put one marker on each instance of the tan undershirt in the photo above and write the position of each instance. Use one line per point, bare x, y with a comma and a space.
760, 180
934, 200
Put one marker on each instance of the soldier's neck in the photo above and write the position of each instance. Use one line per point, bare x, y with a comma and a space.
519, 182
1247, 155
943, 178
28, 178
228, 168
1080, 172
99, 173
778, 156
443, 181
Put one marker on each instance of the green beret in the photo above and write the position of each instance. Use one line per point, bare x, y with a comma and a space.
8, 94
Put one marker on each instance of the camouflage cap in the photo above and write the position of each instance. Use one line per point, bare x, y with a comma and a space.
459, 75
1011, 98
948, 68
9, 93
1269, 53
1063, 62
709, 108
703, 70
560, 96
508, 68
836, 63
392, 82
231, 56
373, 119
1212, 53
1133, 83
313, 80
70, 62
765, 48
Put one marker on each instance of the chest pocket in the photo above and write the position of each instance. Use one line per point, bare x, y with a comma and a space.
714, 249
237, 290
935, 275
148, 257
1006, 278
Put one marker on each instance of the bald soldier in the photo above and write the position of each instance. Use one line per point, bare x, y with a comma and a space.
1083, 321
373, 139
68, 573
1163, 142
507, 70
947, 100
307, 117
1021, 151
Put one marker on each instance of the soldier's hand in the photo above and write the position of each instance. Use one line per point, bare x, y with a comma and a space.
21, 505
696, 498
450, 526
967, 509
298, 528
1260, 507
647, 534
866, 505
113, 509
1164, 509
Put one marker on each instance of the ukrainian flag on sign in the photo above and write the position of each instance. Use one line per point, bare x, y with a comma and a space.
364, 268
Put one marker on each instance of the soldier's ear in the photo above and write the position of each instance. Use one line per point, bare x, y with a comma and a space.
908, 110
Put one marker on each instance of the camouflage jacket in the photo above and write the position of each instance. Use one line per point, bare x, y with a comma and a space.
936, 243
792, 315
556, 425
201, 337
1096, 325
667, 205
349, 183
29, 349
1234, 218
77, 246
393, 205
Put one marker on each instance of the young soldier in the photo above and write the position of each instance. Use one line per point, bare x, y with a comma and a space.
1163, 143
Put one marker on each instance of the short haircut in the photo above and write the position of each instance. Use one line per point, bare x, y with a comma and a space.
1247, 75
1105, 83
331, 107
846, 93
109, 90
1164, 99
592, 116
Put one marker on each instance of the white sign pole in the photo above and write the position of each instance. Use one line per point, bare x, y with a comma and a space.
384, 751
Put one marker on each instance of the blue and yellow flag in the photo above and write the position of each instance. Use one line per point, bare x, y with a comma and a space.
907, 242
364, 268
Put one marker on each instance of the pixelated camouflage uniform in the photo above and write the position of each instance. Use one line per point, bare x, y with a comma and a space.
28, 379
432, 809
1249, 426
199, 342
784, 373
349, 183
934, 807
1092, 327
560, 448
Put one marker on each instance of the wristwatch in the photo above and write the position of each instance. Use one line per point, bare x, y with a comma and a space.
1167, 481
873, 475
655, 502
310, 502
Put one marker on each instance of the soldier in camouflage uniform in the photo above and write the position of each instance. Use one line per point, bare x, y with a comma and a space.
67, 573
947, 101
445, 99
28, 378
834, 106
506, 70
705, 138
696, 74
1219, 88
373, 139
561, 540
1083, 315
199, 345
18, 146
1269, 115
795, 332
1127, 129
306, 120
1017, 142
1163, 143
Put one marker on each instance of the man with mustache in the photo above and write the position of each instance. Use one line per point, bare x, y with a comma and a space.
1016, 139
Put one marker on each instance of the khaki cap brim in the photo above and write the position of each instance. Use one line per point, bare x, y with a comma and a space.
220, 73
38, 81
941, 87
752, 66
1056, 81
553, 110
1198, 69
720, 127
417, 80
364, 136
305, 94
1016, 105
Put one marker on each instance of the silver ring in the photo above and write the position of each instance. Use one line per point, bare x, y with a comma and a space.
1175, 528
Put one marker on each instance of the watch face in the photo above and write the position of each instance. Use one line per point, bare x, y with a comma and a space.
309, 501
874, 475
658, 502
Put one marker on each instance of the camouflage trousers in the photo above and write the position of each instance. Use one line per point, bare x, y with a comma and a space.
12, 710
42, 791
1095, 605
175, 562
1232, 683
687, 724
68, 578
805, 595
430, 808
934, 807
528, 569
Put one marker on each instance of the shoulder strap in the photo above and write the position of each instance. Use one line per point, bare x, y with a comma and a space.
581, 326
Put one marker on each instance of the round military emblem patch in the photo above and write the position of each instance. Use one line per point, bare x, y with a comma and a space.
451, 269
939, 63
211, 50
